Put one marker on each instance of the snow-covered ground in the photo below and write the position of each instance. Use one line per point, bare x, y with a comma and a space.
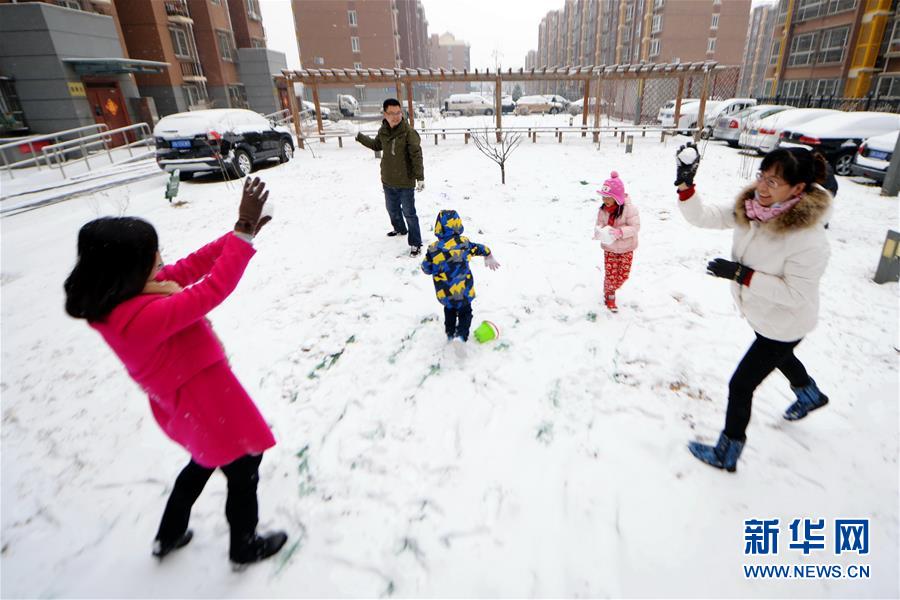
550, 462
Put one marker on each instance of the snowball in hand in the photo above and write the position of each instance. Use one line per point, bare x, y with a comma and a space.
688, 156
604, 234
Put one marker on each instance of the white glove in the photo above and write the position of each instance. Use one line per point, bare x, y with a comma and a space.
420, 186
491, 263
604, 234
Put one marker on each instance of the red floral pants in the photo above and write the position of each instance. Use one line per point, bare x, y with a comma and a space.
617, 267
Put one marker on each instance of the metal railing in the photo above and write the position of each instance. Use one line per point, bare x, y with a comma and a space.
281, 117
177, 8
34, 146
55, 155
190, 68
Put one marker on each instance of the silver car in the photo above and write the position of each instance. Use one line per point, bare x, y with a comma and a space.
728, 128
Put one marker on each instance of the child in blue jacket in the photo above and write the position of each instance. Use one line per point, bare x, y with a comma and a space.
447, 261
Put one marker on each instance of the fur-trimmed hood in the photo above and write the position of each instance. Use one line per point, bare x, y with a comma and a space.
813, 207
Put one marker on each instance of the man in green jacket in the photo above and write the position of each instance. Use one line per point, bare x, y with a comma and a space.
402, 171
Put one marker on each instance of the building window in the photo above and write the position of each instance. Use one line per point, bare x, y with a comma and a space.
803, 49
216, 2
715, 21
888, 87
253, 10
354, 44
12, 119
180, 42
711, 45
894, 45
654, 47
226, 45
73, 4
657, 4
357, 65
838, 6
773, 56
351, 15
629, 13
258, 42
793, 88
193, 95
657, 24
319, 60
825, 87
237, 96
809, 9
834, 41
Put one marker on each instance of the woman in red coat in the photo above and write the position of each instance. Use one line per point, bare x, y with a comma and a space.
154, 319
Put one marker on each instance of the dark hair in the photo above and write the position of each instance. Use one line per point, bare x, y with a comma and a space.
796, 165
115, 258
391, 102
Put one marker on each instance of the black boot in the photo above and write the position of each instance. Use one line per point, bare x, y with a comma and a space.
160, 549
255, 548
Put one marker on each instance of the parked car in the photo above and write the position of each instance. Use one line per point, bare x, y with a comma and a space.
557, 99
666, 115
668, 109
308, 110
348, 105
716, 109
576, 107
527, 105
468, 104
728, 128
507, 104
765, 135
874, 156
839, 136
224, 139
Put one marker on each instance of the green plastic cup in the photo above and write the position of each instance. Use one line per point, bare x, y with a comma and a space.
486, 332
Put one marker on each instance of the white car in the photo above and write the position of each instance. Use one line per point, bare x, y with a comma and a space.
874, 156
348, 105
577, 107
668, 109
728, 128
765, 135
309, 110
716, 109
839, 136
666, 115
468, 104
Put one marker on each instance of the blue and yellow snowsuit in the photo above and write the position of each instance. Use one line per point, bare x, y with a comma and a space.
447, 261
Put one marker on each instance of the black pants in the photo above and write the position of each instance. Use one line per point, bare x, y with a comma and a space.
763, 357
241, 508
457, 321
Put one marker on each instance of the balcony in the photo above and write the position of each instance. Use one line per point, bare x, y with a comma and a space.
177, 10
191, 71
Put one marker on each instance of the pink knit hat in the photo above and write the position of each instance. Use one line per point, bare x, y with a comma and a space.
614, 188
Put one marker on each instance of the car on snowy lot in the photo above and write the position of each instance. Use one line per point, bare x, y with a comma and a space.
689, 118
839, 136
577, 107
552, 104
507, 104
468, 104
765, 135
308, 110
668, 109
230, 140
874, 156
728, 128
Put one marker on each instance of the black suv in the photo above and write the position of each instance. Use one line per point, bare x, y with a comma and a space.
230, 140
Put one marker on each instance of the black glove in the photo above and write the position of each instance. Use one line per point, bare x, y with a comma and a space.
686, 169
728, 269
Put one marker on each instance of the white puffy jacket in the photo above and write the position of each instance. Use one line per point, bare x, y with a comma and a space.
789, 254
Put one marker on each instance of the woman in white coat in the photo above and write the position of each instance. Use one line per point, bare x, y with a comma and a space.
779, 253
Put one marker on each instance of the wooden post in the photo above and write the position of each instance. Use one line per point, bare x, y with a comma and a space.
559, 135
702, 107
586, 106
466, 137
597, 111
409, 103
295, 114
435, 139
340, 142
315, 91
498, 105
399, 91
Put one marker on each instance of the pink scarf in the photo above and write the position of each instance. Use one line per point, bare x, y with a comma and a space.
758, 212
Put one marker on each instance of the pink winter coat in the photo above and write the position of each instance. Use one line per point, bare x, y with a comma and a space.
629, 222
170, 349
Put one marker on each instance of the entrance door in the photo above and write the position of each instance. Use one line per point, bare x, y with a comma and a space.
108, 107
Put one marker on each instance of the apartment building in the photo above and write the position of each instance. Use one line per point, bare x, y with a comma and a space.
834, 48
758, 44
596, 32
447, 52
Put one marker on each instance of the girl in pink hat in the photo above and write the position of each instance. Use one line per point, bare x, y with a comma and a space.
617, 229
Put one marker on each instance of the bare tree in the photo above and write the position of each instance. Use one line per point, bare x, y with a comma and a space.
497, 151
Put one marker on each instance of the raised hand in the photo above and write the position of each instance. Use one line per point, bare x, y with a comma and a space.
687, 160
491, 263
166, 288
253, 198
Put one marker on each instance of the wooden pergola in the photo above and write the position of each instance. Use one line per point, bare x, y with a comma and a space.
589, 74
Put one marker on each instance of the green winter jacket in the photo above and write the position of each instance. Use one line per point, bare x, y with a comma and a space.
401, 154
